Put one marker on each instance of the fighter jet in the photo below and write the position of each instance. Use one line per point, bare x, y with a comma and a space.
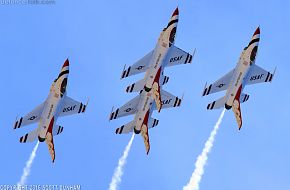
151, 96
245, 73
57, 104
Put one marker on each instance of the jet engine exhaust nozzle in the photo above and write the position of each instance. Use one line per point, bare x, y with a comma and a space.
41, 139
228, 107
136, 131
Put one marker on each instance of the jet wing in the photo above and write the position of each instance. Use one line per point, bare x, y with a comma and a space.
140, 66
258, 75
168, 100
128, 109
71, 106
219, 85
31, 117
177, 56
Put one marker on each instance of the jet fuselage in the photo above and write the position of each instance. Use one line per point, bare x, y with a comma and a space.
53, 104
237, 81
246, 60
153, 74
144, 111
157, 62
50, 114
162, 48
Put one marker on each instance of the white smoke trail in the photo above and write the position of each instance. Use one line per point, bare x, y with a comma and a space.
116, 179
196, 176
26, 170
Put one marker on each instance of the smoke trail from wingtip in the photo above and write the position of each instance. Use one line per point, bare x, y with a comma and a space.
117, 176
26, 170
196, 176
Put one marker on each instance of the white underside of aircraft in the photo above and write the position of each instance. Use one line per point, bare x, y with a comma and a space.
57, 104
245, 73
151, 96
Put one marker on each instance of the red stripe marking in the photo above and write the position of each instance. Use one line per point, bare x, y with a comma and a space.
238, 95
146, 118
50, 125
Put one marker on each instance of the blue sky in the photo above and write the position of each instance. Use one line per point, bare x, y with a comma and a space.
99, 37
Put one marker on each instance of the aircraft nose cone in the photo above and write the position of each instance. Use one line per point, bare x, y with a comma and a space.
176, 12
257, 31
66, 63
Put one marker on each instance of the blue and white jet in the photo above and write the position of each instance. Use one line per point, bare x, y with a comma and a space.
245, 73
151, 96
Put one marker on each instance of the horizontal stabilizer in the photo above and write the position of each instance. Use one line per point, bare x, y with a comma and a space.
57, 130
139, 85
163, 80
29, 137
216, 104
153, 122
128, 128
244, 97
221, 102
136, 87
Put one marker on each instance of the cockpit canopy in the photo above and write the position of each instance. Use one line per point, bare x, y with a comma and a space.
253, 53
172, 35
63, 87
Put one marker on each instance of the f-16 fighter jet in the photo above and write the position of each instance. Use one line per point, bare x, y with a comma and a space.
57, 104
151, 96
245, 73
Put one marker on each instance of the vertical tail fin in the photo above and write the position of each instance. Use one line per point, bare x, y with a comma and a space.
156, 90
50, 144
237, 108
